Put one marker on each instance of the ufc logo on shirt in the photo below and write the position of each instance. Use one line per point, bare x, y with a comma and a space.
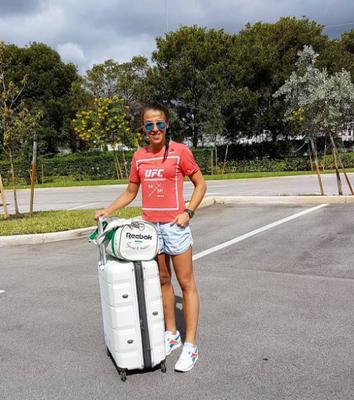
154, 173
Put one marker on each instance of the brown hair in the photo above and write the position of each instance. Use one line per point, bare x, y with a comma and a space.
153, 106
157, 107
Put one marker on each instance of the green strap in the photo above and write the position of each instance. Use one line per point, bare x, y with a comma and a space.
93, 235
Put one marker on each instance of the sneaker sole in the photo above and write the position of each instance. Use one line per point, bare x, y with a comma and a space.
177, 346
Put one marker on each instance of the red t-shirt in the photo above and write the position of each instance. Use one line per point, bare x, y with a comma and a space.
162, 181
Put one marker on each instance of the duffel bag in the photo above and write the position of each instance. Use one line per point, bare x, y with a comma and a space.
133, 240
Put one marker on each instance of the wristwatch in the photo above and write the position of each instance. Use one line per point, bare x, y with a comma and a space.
189, 212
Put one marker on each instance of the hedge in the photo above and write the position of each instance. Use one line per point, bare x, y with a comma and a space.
91, 166
84, 166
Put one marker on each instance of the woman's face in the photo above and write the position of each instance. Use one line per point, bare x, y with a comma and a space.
153, 119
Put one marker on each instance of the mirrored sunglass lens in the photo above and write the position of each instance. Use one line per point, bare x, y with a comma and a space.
161, 125
149, 126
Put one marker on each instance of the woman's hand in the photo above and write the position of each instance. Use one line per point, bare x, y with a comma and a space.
181, 220
101, 213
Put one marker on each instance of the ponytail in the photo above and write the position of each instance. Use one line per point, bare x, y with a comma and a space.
166, 148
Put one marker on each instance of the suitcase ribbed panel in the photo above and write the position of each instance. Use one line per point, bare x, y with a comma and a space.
121, 314
154, 311
120, 311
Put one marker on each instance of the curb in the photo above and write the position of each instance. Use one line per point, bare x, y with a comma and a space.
283, 199
16, 240
38, 238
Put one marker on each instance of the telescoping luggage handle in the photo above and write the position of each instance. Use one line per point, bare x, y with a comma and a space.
103, 258
100, 236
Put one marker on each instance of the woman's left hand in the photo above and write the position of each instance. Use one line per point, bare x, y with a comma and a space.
181, 220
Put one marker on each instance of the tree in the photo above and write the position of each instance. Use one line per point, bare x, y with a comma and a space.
106, 123
318, 102
217, 82
9, 110
345, 57
263, 56
48, 89
190, 71
126, 80
17, 124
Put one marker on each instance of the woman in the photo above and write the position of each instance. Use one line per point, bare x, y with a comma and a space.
160, 168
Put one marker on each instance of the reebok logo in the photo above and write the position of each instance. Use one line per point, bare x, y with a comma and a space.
155, 172
138, 236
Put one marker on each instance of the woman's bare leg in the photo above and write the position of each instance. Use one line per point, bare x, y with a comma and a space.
168, 295
184, 272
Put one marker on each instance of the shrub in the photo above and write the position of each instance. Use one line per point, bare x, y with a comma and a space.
100, 165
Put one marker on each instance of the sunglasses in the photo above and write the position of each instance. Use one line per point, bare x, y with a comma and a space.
149, 126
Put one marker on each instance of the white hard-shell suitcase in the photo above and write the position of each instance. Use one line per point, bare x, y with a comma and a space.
132, 310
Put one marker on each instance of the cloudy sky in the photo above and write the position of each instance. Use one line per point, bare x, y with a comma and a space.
87, 32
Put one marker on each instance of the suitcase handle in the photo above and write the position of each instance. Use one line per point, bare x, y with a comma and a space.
103, 259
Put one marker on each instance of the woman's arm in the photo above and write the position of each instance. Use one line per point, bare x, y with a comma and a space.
121, 201
199, 191
200, 188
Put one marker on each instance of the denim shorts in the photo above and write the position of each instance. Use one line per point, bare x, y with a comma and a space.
173, 239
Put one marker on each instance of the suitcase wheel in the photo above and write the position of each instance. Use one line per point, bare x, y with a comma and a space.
163, 366
123, 375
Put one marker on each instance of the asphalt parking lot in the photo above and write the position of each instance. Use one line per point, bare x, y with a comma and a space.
276, 313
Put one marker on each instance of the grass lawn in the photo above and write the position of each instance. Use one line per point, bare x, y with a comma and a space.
55, 221
68, 182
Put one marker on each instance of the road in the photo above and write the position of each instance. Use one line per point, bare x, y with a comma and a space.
276, 317
100, 196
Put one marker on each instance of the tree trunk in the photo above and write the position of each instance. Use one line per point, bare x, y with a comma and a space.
3, 199
194, 134
223, 166
42, 169
311, 162
211, 162
119, 169
324, 154
125, 165
339, 182
343, 169
117, 166
33, 175
216, 159
13, 181
314, 152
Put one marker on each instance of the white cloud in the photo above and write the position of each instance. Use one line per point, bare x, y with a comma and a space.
71, 52
87, 32
44, 26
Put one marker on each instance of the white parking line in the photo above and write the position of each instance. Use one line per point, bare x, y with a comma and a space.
2, 291
255, 232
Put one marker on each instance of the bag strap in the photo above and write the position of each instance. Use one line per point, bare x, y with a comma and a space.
98, 236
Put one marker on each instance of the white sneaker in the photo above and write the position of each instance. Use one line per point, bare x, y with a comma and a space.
188, 358
172, 342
